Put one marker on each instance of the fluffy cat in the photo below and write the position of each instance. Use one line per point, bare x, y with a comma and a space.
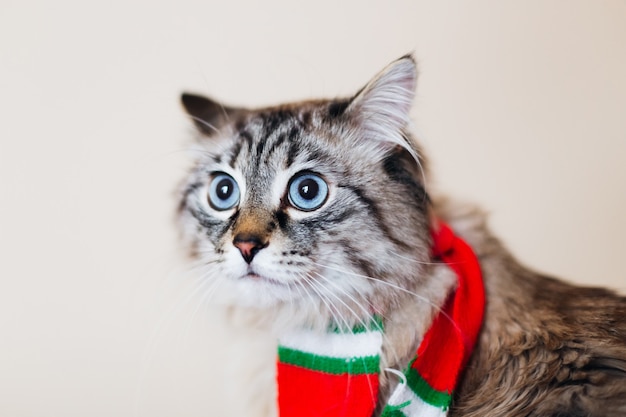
318, 212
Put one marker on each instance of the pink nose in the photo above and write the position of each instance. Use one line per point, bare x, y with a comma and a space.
249, 246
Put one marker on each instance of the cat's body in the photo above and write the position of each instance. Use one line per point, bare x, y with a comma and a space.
318, 212
547, 348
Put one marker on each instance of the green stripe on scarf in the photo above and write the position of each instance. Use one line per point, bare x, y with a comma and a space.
329, 365
427, 393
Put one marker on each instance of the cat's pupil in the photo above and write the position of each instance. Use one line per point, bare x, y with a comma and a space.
224, 189
309, 189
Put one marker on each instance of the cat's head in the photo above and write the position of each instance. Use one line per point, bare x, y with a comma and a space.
319, 204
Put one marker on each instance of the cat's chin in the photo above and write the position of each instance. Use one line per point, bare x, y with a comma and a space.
276, 316
255, 291
279, 307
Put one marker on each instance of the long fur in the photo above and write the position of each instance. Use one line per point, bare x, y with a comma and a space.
547, 348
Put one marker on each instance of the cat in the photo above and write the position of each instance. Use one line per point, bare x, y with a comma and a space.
318, 212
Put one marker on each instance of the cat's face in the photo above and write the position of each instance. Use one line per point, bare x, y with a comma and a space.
318, 203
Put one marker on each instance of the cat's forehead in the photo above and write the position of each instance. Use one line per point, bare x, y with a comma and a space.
280, 137
305, 115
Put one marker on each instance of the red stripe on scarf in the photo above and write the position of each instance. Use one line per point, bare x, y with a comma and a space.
307, 393
448, 344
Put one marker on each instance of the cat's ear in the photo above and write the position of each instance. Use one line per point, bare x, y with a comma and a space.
207, 114
382, 108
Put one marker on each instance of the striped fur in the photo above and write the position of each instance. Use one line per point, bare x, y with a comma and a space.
359, 147
547, 348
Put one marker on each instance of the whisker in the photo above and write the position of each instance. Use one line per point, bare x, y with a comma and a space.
333, 312
300, 287
396, 287
225, 112
354, 313
304, 288
205, 123
211, 286
406, 258
362, 321
385, 337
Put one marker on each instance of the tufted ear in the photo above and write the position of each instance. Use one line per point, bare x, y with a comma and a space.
207, 114
382, 108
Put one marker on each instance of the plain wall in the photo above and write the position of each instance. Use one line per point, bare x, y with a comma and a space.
520, 106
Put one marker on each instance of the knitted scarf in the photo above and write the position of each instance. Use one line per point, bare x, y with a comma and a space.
336, 374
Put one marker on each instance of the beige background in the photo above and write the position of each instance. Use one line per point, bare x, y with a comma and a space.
521, 106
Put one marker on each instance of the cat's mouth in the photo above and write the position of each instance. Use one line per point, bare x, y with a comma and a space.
261, 278
253, 275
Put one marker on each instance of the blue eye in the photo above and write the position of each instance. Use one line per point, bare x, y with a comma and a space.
223, 192
307, 192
